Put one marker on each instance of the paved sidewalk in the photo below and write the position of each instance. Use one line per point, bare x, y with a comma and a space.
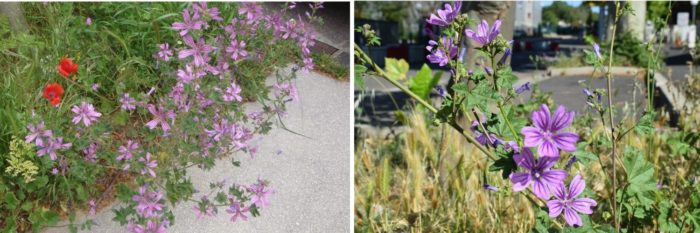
310, 176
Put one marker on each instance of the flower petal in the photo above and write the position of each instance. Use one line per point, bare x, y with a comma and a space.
525, 159
576, 186
495, 30
572, 217
553, 177
559, 191
583, 206
533, 136
555, 207
561, 120
541, 118
520, 180
482, 29
548, 149
540, 189
565, 141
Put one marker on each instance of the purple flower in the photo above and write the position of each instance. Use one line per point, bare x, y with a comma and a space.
188, 75
546, 136
446, 16
126, 151
164, 53
148, 202
505, 56
197, 50
490, 188
260, 194
482, 35
232, 93
149, 165
160, 116
37, 133
237, 211
151, 227
596, 49
213, 12
95, 86
251, 10
237, 50
490, 140
127, 103
92, 206
219, 129
438, 53
188, 23
85, 113
566, 201
52, 144
441, 91
91, 152
88, 21
570, 162
488, 70
537, 172
286, 89
523, 88
208, 211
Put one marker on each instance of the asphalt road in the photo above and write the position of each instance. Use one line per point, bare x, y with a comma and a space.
311, 176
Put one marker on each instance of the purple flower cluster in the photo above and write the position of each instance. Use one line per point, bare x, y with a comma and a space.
445, 16
539, 174
441, 53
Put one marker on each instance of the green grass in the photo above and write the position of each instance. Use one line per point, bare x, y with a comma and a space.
328, 65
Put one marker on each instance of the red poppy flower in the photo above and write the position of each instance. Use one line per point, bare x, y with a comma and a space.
53, 92
66, 67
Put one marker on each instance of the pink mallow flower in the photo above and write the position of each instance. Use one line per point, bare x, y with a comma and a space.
537, 172
237, 211
127, 103
189, 23
567, 201
50, 147
148, 165
261, 194
546, 136
232, 93
85, 113
148, 202
160, 117
164, 53
37, 134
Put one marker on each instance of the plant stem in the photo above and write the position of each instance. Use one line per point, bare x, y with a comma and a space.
611, 115
362, 56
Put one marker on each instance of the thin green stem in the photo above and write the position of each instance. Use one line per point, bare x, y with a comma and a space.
611, 115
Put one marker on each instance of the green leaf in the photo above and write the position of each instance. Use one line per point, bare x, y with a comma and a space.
645, 126
423, 82
395, 69
11, 201
667, 224
480, 97
583, 155
640, 182
50, 217
693, 218
505, 79
360, 70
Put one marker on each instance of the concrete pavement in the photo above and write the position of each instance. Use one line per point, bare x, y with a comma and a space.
311, 176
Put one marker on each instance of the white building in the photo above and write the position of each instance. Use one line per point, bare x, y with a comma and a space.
528, 15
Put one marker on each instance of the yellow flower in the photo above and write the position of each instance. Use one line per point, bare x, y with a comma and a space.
19, 160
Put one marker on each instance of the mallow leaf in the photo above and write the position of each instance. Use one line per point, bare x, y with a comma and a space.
395, 69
